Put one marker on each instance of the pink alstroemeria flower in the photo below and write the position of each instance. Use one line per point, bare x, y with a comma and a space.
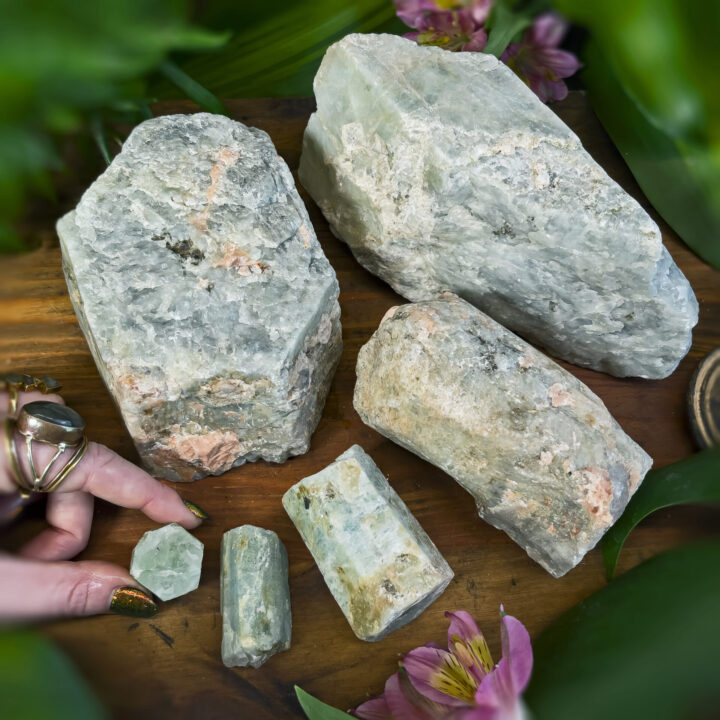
412, 12
538, 61
401, 701
452, 30
462, 682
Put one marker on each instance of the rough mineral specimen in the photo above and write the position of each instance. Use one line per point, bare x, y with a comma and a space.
254, 596
204, 295
167, 561
539, 452
381, 567
443, 171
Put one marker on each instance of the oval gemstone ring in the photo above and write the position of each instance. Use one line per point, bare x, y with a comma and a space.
50, 424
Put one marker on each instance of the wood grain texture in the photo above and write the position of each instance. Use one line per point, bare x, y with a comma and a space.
138, 672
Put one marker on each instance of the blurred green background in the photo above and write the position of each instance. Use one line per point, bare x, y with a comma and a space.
76, 69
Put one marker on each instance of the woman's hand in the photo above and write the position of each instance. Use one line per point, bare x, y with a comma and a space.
40, 583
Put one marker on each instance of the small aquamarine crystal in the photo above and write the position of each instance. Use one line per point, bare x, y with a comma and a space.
254, 596
379, 564
167, 561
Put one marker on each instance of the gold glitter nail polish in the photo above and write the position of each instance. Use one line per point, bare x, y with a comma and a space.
196, 510
133, 602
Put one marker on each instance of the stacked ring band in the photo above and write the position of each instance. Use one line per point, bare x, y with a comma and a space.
50, 424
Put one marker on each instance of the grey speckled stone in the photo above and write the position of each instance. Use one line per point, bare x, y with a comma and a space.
443, 171
254, 596
379, 564
168, 561
539, 452
207, 302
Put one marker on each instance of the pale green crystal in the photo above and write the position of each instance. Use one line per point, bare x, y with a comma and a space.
379, 564
167, 561
254, 596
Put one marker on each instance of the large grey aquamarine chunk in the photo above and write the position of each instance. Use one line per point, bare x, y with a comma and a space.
207, 302
443, 171
539, 452
168, 561
379, 564
254, 596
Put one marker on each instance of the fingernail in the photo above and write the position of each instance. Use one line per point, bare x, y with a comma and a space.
197, 511
133, 602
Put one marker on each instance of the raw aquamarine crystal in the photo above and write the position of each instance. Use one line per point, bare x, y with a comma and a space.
206, 300
167, 561
379, 564
443, 171
254, 596
539, 452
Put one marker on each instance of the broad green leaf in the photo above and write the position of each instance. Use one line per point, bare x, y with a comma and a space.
317, 710
665, 55
651, 73
277, 47
678, 178
38, 682
693, 480
645, 646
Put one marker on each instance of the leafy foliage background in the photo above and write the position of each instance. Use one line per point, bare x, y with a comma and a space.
76, 68
70, 68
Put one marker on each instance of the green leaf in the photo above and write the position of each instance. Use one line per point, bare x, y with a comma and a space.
38, 682
62, 61
503, 25
277, 47
98, 133
693, 480
651, 73
196, 92
679, 178
645, 646
317, 710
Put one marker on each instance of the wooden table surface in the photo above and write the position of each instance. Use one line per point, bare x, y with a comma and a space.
170, 666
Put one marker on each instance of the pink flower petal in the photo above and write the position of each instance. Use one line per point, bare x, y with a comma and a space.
468, 644
478, 714
463, 626
412, 12
562, 63
406, 703
375, 709
517, 652
479, 11
495, 703
547, 30
490, 691
477, 42
501, 689
510, 51
448, 22
549, 90
439, 676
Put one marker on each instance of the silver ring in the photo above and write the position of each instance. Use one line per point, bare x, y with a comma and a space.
51, 424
